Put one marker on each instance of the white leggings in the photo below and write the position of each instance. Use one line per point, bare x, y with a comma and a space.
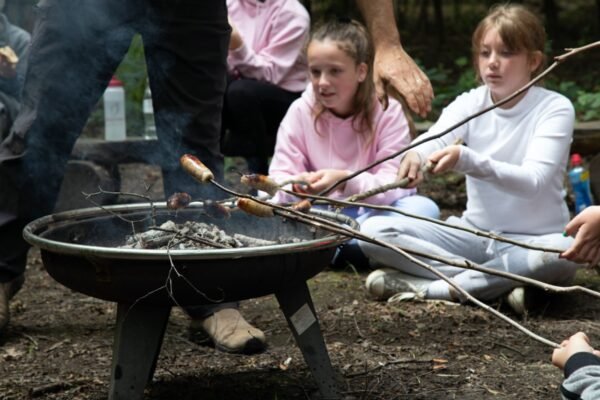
459, 245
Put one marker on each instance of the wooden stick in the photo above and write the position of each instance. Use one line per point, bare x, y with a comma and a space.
558, 60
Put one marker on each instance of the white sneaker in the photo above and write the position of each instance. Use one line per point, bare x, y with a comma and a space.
387, 282
516, 300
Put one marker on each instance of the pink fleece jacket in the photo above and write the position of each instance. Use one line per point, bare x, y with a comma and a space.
300, 148
274, 33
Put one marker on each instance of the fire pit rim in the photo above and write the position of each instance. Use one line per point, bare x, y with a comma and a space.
32, 230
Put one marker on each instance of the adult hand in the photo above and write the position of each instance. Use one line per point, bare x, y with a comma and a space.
8, 69
586, 228
444, 159
577, 343
394, 67
410, 167
235, 41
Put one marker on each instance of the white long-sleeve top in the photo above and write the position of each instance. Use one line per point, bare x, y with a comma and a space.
514, 159
274, 33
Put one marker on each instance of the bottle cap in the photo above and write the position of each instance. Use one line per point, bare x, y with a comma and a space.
115, 82
575, 159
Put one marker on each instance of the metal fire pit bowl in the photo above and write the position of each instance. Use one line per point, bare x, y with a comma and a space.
79, 250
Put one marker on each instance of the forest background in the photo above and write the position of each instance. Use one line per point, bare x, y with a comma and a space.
436, 33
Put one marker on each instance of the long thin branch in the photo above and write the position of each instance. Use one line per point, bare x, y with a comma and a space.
197, 239
474, 231
329, 225
466, 264
336, 228
558, 60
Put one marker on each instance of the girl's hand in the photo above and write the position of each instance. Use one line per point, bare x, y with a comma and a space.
445, 159
586, 228
324, 178
410, 167
307, 177
235, 41
577, 343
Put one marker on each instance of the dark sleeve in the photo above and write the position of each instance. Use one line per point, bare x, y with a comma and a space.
579, 360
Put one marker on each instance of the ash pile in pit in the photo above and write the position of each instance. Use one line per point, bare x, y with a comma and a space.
195, 235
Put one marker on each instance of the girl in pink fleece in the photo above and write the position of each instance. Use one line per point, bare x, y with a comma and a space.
338, 127
267, 72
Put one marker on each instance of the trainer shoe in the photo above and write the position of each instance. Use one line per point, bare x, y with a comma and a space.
516, 300
7, 292
231, 333
387, 282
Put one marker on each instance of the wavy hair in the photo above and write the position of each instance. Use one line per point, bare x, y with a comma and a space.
353, 39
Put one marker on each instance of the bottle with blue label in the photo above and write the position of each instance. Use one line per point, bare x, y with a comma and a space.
580, 183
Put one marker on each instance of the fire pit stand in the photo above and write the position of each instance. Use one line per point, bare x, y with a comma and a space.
79, 250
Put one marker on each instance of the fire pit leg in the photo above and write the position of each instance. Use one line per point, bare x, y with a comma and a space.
138, 337
297, 306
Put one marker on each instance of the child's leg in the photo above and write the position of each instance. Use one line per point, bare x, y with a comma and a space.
415, 204
351, 253
425, 237
546, 267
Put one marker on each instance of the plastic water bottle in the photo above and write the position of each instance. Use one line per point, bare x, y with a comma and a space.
148, 109
114, 111
580, 183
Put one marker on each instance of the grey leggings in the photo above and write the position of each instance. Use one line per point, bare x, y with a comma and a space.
459, 245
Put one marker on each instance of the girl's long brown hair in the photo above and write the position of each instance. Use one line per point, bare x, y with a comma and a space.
519, 28
353, 39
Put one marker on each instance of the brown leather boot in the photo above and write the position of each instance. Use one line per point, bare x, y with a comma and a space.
231, 333
7, 292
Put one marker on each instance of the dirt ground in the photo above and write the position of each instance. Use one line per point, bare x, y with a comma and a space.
59, 345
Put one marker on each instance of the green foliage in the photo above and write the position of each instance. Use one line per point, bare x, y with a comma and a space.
132, 72
586, 102
448, 83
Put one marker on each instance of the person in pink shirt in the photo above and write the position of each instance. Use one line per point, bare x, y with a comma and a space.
337, 126
267, 72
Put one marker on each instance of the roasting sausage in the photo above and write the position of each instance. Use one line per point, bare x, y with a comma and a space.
178, 200
302, 206
260, 182
255, 208
193, 166
216, 210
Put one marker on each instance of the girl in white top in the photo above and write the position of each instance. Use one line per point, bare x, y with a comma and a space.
514, 158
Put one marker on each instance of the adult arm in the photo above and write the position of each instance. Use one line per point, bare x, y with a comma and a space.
586, 229
392, 65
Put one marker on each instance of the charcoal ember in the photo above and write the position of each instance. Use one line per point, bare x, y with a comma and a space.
193, 235
249, 241
152, 238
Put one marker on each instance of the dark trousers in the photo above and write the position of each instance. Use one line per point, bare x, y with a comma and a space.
252, 113
76, 47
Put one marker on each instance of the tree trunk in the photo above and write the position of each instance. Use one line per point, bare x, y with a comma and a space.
439, 21
551, 12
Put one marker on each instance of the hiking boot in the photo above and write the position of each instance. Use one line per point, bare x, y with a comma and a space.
7, 292
385, 283
231, 333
